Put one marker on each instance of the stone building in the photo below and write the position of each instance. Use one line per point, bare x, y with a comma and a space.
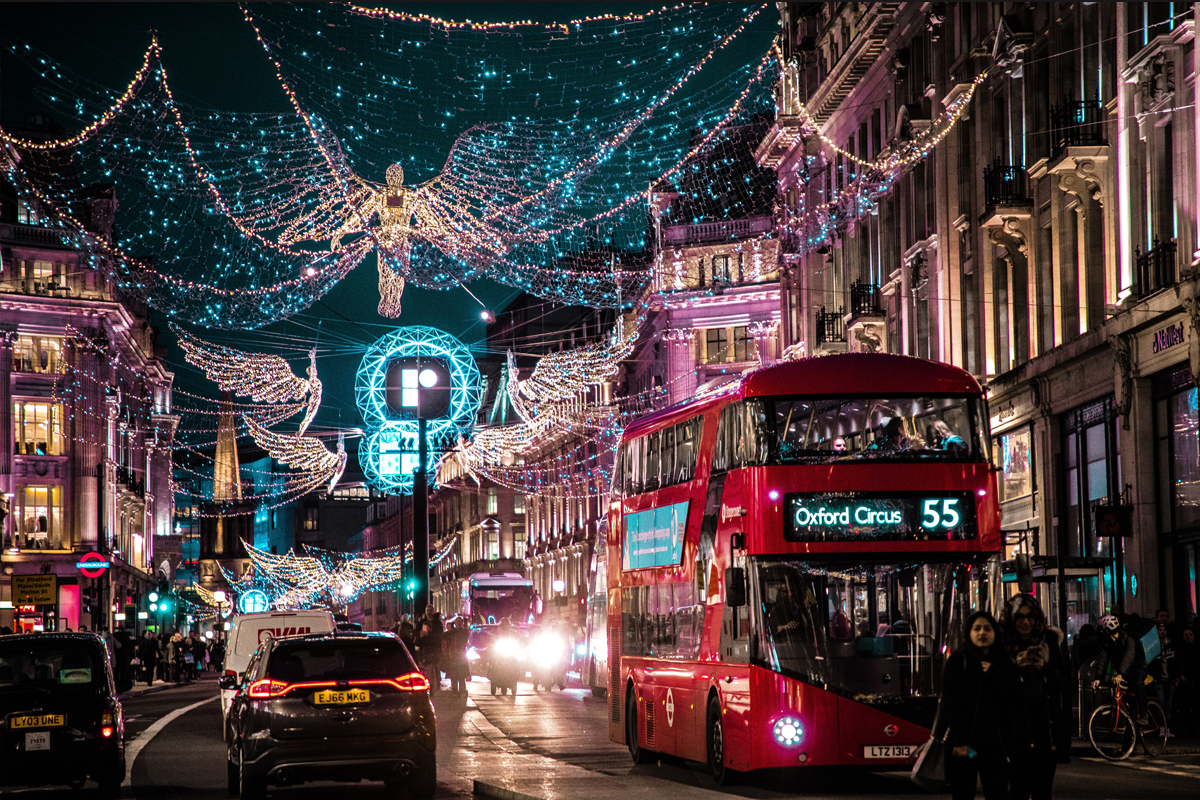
1047, 244
86, 428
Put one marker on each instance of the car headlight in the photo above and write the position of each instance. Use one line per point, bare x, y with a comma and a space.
788, 731
547, 649
472, 654
507, 647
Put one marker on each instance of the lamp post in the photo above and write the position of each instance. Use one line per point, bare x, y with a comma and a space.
219, 598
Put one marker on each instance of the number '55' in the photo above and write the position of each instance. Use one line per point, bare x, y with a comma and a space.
947, 517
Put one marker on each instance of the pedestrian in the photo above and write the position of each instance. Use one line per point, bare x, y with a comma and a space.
1044, 701
186, 656
173, 657
165, 661
456, 656
429, 646
975, 718
1163, 670
218, 654
148, 655
407, 634
1187, 682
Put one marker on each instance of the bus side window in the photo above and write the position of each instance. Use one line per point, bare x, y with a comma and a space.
636, 466
667, 470
619, 470
723, 452
687, 434
653, 453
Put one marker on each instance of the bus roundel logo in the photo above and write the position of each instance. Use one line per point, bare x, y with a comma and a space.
92, 565
891, 730
670, 709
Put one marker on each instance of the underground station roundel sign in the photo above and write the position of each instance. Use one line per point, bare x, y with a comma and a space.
92, 565
254, 601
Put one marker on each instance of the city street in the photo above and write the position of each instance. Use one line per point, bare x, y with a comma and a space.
550, 746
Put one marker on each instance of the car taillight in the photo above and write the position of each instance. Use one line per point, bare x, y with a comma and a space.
108, 723
412, 682
231, 672
267, 687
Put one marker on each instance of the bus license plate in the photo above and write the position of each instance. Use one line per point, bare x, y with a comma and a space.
888, 750
342, 698
38, 721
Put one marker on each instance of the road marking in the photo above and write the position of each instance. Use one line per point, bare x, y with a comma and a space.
1149, 767
132, 751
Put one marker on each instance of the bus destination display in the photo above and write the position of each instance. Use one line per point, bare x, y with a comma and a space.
841, 517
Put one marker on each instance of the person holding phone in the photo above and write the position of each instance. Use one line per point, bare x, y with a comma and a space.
1043, 705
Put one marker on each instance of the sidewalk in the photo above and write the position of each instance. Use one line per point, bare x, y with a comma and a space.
140, 689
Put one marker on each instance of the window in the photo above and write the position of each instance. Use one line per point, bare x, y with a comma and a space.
716, 345
744, 348
518, 503
311, 519
720, 270
666, 458
26, 215
1091, 450
39, 517
40, 354
1014, 458
665, 620
492, 501
493, 543
37, 428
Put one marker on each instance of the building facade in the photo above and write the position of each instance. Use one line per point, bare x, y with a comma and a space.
1047, 244
86, 429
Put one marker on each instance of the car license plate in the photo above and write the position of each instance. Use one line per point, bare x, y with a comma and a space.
342, 698
37, 740
888, 750
38, 721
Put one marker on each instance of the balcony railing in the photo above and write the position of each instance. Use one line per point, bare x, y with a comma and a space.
130, 479
1076, 124
865, 300
723, 230
830, 327
31, 234
1004, 185
1155, 269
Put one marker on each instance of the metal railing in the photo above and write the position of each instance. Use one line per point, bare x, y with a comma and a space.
1076, 124
1004, 184
865, 300
718, 231
830, 327
1155, 269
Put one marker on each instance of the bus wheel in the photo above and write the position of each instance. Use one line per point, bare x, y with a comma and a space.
716, 745
636, 751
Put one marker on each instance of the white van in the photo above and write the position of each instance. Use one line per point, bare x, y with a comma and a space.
247, 630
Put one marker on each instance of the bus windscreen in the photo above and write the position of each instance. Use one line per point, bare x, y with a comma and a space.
831, 429
875, 633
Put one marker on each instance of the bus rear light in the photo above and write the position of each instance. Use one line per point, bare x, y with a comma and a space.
788, 731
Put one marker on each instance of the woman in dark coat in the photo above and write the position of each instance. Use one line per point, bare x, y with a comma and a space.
975, 718
148, 654
1045, 722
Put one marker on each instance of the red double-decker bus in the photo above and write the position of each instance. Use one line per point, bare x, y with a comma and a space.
790, 558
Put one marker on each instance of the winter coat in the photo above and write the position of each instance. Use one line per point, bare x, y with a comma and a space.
977, 707
1045, 707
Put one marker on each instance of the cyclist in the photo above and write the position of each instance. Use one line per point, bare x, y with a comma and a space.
1122, 657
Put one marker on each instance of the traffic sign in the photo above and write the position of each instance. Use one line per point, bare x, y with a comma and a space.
92, 565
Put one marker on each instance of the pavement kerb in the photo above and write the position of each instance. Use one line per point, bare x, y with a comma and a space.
155, 689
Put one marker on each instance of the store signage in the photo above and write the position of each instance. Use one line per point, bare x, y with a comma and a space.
35, 590
92, 565
1114, 521
654, 538
840, 517
1167, 337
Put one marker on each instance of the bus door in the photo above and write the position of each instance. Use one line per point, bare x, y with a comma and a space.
733, 672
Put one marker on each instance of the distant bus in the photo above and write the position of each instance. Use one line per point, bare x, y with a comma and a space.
489, 598
790, 559
594, 671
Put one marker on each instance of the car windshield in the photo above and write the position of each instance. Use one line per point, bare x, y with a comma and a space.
830, 429
877, 633
47, 665
490, 604
339, 660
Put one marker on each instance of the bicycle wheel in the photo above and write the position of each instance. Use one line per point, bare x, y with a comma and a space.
1111, 732
1154, 740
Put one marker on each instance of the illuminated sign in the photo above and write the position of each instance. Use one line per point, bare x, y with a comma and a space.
654, 538
254, 601
35, 590
841, 517
92, 565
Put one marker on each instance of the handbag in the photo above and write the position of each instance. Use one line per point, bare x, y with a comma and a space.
929, 771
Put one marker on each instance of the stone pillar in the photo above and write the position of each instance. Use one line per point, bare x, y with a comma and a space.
8, 334
158, 474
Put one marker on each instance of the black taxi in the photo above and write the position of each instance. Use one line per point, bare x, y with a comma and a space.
341, 706
60, 720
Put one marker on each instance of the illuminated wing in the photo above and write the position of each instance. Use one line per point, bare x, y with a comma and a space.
263, 377
306, 453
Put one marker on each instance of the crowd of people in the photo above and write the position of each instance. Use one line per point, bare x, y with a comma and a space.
173, 657
1006, 713
438, 649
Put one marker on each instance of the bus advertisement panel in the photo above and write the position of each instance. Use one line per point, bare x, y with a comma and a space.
790, 559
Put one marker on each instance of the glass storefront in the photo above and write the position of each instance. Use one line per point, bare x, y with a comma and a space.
1177, 453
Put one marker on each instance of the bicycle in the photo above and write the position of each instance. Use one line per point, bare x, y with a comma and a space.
1114, 731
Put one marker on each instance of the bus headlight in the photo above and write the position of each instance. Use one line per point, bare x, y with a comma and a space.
788, 731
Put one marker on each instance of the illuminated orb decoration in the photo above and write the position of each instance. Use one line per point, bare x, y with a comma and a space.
254, 601
388, 451
370, 385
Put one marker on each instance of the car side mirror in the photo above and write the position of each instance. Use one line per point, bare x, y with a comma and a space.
735, 587
228, 682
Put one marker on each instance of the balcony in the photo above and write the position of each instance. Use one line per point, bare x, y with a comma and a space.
31, 235
865, 300
721, 231
1076, 124
1154, 270
1005, 185
130, 480
830, 327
